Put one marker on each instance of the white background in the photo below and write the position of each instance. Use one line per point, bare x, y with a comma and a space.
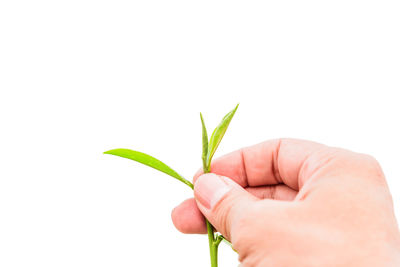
81, 77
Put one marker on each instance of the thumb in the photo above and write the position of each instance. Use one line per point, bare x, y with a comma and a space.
221, 201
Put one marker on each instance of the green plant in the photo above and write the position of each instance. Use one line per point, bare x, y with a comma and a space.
209, 148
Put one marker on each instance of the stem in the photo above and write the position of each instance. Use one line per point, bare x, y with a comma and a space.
213, 240
214, 256
212, 244
218, 239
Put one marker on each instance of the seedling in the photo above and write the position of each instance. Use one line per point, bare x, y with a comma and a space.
209, 148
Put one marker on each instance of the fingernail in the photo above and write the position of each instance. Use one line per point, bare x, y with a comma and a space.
209, 189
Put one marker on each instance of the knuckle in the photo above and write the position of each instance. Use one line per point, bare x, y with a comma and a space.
243, 234
371, 160
223, 212
253, 228
373, 167
223, 222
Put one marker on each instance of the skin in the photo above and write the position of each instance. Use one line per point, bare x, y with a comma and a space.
291, 202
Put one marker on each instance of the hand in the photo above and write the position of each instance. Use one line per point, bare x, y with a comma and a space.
296, 203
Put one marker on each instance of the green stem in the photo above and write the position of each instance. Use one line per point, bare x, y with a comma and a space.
218, 239
213, 240
214, 256
212, 244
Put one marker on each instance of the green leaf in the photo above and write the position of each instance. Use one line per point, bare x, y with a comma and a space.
227, 242
218, 133
205, 144
149, 161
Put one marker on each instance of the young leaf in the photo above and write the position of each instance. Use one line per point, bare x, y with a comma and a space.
149, 161
218, 133
205, 144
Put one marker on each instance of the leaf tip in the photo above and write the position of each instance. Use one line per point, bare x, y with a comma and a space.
110, 152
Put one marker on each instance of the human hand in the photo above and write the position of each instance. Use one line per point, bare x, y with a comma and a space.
296, 203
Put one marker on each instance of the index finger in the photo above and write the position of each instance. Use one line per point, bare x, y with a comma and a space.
279, 161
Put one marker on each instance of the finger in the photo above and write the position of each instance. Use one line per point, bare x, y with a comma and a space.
221, 201
188, 219
272, 162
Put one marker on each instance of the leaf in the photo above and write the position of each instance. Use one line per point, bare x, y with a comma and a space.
227, 242
218, 133
205, 144
149, 161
